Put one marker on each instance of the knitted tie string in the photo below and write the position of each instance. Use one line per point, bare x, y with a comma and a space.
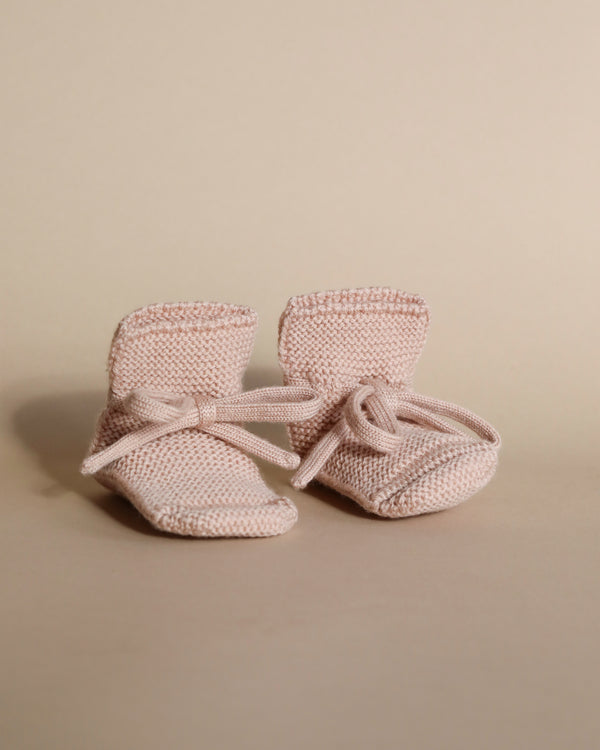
372, 413
164, 413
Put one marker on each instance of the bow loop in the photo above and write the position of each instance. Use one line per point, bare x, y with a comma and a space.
374, 413
371, 418
163, 413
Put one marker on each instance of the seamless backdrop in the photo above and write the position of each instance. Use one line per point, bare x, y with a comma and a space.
246, 152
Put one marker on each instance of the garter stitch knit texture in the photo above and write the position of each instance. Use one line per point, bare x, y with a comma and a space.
375, 440
180, 365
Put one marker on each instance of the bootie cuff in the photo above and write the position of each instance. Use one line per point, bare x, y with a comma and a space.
345, 336
186, 348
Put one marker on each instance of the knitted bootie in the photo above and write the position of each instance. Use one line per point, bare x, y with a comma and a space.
168, 439
375, 440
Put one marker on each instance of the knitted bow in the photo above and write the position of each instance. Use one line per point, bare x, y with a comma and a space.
168, 412
372, 412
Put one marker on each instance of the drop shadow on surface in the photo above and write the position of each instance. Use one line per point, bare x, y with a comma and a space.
56, 428
340, 502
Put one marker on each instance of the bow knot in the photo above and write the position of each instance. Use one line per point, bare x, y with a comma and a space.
163, 413
206, 408
373, 414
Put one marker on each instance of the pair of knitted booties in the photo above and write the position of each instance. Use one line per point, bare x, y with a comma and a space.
170, 437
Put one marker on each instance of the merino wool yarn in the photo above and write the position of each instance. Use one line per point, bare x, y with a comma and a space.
168, 438
375, 440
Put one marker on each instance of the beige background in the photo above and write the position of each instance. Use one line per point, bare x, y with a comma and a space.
245, 152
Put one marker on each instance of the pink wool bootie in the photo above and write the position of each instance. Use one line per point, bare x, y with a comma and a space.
168, 438
375, 439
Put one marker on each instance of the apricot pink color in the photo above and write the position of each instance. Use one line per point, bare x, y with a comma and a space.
375, 440
175, 373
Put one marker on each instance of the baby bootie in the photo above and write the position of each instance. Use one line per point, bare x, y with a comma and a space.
168, 438
375, 439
